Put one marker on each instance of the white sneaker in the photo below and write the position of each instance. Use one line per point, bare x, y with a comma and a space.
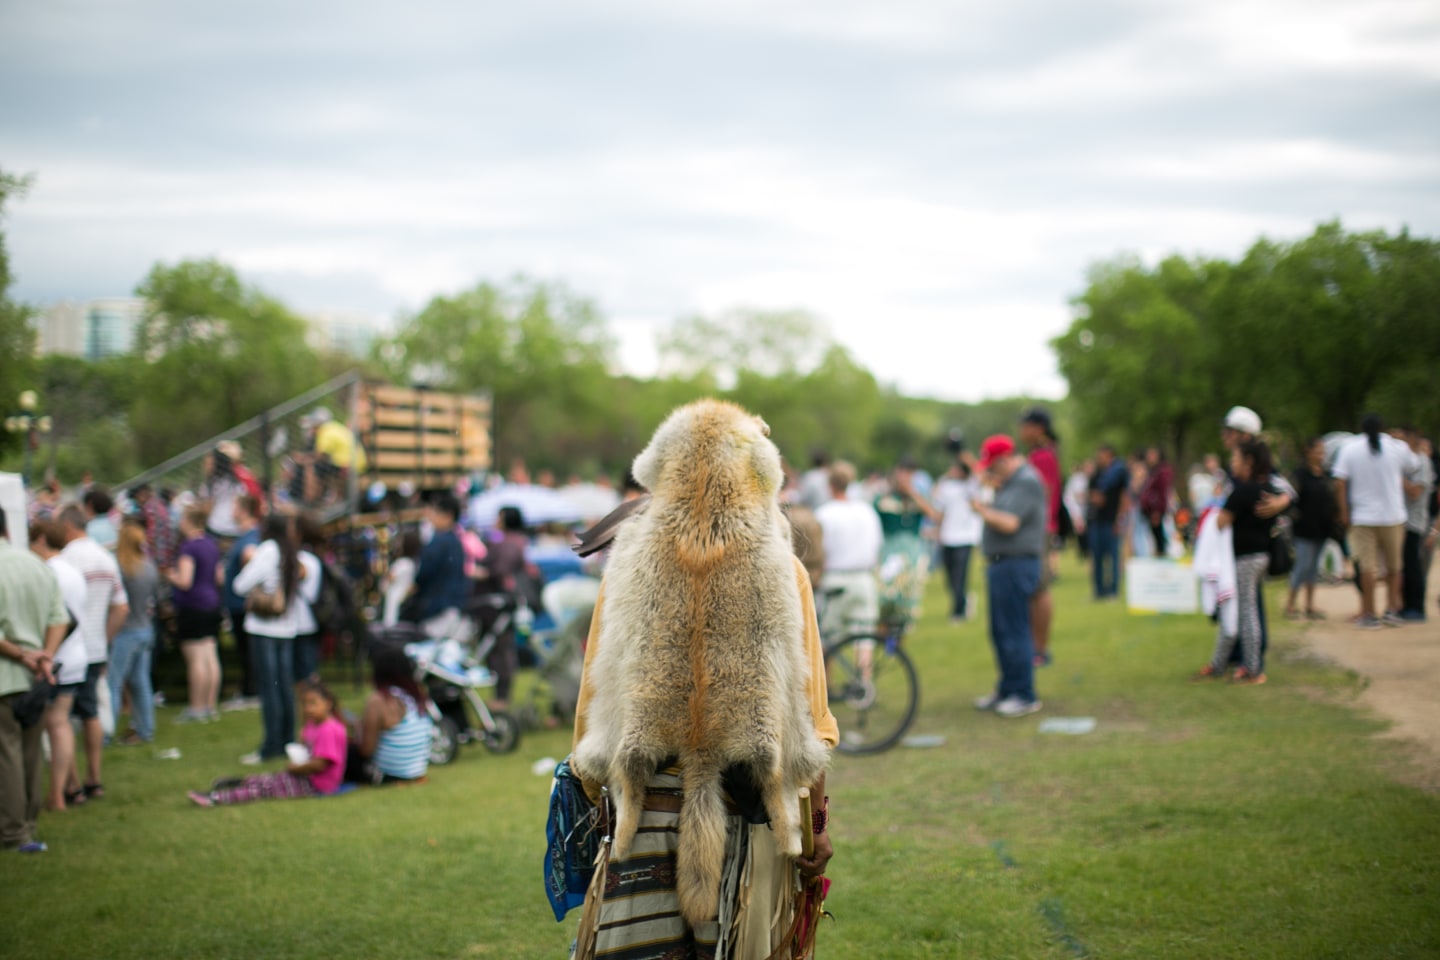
252, 759
1015, 707
987, 702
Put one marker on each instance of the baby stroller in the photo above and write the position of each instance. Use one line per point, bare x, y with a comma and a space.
558, 644
453, 680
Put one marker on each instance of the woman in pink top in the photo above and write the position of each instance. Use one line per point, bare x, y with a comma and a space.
322, 773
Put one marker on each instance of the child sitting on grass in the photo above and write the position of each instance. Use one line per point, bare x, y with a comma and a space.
322, 773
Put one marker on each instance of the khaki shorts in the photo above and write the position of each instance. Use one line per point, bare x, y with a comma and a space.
852, 603
1377, 549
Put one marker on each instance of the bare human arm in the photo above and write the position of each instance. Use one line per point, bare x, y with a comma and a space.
1342, 501
815, 866
1272, 505
997, 520
906, 488
381, 713
36, 661
116, 619
182, 575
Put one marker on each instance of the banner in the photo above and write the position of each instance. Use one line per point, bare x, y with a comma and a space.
1161, 586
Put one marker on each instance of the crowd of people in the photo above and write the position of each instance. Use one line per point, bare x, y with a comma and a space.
84, 606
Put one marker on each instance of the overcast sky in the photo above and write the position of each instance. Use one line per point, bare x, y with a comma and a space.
931, 179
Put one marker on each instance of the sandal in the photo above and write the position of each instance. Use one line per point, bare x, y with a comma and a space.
1246, 678
75, 799
94, 791
1207, 672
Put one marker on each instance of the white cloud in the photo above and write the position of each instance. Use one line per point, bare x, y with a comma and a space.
679, 157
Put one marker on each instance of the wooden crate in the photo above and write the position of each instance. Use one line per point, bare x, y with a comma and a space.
426, 438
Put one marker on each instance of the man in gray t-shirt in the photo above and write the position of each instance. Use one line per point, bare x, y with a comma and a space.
1013, 543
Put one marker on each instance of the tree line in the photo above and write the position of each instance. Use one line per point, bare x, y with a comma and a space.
1311, 334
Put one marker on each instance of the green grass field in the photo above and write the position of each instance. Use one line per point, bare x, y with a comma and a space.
1196, 821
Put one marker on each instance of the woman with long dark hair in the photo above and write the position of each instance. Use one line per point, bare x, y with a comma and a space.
270, 583
393, 742
1251, 467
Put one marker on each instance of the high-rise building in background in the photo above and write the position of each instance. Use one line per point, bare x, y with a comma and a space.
96, 329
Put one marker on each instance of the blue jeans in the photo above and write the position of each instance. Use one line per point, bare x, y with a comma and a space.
1012, 582
1105, 556
130, 667
274, 663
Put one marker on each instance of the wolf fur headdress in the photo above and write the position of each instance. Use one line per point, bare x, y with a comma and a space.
701, 654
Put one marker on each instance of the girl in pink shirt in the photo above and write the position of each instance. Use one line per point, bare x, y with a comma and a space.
322, 773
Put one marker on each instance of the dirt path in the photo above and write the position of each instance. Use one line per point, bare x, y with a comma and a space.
1401, 663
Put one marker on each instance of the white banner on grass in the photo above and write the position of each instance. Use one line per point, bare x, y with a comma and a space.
1161, 586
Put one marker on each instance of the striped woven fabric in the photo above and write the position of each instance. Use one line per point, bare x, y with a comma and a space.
637, 916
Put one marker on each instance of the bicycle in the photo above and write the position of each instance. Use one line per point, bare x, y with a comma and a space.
873, 687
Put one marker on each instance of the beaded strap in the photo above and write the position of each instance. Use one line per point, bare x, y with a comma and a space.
820, 819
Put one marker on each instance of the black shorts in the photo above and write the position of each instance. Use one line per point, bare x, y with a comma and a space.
66, 690
193, 624
87, 697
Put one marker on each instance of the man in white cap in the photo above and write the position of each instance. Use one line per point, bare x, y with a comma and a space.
1240, 424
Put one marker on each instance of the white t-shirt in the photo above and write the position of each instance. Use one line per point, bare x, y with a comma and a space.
852, 535
309, 591
224, 491
397, 587
961, 526
103, 589
1373, 480
72, 657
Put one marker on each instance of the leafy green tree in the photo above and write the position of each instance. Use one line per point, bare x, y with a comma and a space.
218, 352
766, 343
88, 405
1140, 356
17, 332
785, 366
1327, 326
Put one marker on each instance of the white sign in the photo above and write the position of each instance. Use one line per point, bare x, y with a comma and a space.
1161, 586
12, 499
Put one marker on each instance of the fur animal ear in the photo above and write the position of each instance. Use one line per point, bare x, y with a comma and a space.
650, 461
765, 460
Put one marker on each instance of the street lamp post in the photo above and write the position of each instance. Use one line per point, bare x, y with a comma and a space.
31, 422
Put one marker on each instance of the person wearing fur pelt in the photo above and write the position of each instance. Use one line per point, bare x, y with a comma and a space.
703, 709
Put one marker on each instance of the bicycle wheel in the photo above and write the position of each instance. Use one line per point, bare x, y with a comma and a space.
874, 692
444, 742
504, 734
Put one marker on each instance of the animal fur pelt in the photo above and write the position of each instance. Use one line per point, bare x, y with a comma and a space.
701, 653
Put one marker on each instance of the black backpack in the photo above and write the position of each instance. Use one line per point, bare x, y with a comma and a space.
334, 608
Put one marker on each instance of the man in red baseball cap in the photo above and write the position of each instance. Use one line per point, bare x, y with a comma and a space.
1014, 543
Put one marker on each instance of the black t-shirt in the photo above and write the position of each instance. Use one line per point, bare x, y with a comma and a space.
1252, 534
1315, 506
